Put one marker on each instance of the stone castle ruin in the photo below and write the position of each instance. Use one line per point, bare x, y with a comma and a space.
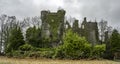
90, 31
53, 27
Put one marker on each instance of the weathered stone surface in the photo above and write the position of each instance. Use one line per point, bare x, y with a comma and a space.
90, 31
75, 27
67, 25
53, 25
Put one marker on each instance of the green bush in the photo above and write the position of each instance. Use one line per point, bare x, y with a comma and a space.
87, 51
43, 52
15, 53
59, 53
98, 51
76, 47
26, 47
9, 54
46, 43
73, 46
47, 54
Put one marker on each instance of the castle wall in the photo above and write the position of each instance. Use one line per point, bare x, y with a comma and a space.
90, 31
54, 23
53, 27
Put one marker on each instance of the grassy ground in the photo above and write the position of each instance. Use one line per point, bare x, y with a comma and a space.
5, 60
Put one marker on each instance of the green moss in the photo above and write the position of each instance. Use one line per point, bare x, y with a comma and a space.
54, 20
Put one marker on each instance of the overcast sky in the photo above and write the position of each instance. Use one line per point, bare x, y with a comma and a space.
108, 10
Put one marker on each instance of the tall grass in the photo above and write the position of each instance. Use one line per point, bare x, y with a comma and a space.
5, 60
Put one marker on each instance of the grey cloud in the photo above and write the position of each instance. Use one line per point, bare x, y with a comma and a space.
19, 8
99, 9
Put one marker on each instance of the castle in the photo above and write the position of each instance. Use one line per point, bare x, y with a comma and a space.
54, 25
90, 31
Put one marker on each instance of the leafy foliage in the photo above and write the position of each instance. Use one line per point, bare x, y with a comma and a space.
46, 43
73, 47
15, 40
98, 51
113, 45
115, 41
33, 36
26, 47
76, 47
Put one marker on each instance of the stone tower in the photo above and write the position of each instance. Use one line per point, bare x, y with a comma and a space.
75, 27
53, 25
90, 31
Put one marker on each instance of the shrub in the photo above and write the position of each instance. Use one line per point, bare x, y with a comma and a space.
73, 46
9, 54
87, 51
43, 52
15, 53
47, 54
59, 53
26, 47
46, 43
98, 51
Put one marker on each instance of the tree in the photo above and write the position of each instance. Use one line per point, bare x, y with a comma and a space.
15, 40
115, 41
2, 21
73, 46
103, 28
33, 36
8, 23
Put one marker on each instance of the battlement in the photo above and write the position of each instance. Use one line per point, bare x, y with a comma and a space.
45, 13
54, 23
53, 26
